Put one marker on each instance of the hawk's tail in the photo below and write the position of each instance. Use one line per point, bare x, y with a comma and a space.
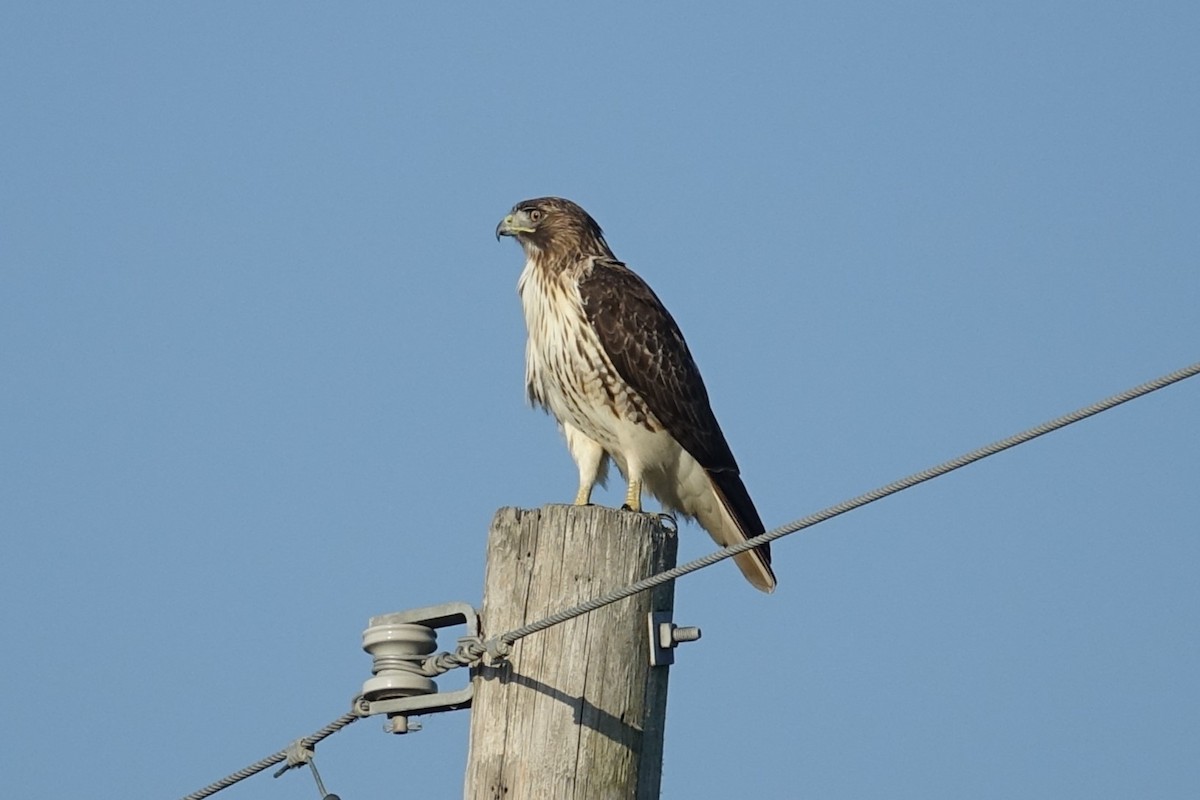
738, 522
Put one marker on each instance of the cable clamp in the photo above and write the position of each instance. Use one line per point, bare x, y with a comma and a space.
299, 753
497, 651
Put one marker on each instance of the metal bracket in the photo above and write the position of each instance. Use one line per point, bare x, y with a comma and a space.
398, 644
665, 636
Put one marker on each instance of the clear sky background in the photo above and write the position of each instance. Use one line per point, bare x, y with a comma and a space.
261, 376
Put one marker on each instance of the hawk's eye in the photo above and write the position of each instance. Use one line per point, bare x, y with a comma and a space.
535, 215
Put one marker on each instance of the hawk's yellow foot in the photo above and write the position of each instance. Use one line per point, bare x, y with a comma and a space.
633, 497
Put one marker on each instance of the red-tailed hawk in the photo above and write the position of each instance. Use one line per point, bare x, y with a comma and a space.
607, 360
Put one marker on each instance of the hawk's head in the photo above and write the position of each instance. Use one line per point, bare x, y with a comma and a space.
553, 226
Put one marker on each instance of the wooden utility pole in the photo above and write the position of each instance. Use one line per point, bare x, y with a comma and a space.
577, 711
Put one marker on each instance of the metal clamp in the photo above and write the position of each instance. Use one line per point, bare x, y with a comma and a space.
398, 644
665, 636
299, 753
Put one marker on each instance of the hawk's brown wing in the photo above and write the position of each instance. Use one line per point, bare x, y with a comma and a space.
649, 353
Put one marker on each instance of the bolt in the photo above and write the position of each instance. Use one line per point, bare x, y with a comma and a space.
401, 724
684, 633
671, 635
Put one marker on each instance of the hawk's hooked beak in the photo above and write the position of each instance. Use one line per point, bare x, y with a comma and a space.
514, 224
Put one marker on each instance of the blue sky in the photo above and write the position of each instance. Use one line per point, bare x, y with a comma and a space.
261, 365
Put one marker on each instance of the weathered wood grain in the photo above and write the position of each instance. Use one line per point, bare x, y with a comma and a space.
577, 712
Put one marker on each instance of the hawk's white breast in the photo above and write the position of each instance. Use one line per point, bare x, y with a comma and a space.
567, 372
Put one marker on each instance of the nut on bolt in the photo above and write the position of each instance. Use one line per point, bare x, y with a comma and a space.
665, 636
672, 635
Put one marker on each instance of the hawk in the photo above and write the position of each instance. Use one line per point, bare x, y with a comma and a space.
605, 357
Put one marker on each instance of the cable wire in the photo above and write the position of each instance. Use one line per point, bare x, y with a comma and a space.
271, 760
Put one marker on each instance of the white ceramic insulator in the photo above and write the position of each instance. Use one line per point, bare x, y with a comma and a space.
397, 650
